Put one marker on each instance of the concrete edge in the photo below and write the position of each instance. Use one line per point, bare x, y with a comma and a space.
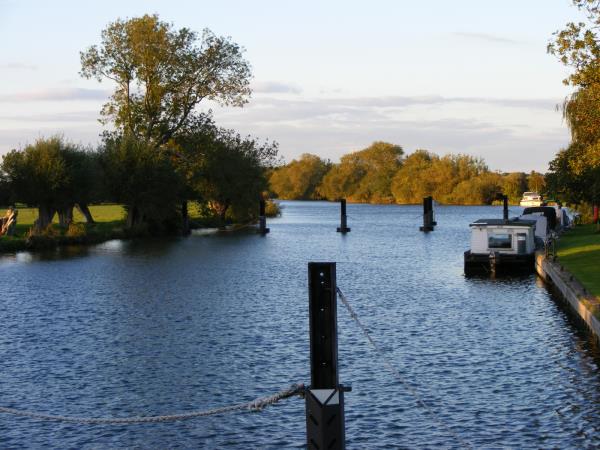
571, 290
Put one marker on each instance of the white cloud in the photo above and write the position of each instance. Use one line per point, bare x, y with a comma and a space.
275, 87
18, 66
486, 37
56, 95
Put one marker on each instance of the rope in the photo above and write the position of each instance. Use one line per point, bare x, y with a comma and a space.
398, 375
255, 405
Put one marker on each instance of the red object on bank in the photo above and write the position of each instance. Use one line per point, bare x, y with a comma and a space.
595, 214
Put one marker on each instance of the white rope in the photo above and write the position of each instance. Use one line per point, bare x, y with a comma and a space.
398, 375
255, 405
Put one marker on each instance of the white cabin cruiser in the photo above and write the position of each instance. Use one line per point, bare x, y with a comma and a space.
531, 199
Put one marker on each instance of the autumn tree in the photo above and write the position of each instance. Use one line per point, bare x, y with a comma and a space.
161, 75
575, 171
299, 179
536, 182
365, 175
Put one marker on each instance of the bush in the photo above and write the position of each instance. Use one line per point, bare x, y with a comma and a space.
76, 230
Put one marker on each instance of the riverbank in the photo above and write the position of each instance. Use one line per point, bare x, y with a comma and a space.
109, 224
574, 274
579, 252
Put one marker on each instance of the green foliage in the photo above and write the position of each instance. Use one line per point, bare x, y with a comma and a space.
299, 179
575, 171
161, 74
423, 174
272, 209
479, 190
144, 180
51, 174
536, 182
225, 170
513, 185
579, 252
365, 175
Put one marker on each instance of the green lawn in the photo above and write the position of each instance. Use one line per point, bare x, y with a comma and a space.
579, 253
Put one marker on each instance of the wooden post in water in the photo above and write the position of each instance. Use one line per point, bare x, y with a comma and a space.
262, 219
428, 222
505, 207
343, 228
325, 397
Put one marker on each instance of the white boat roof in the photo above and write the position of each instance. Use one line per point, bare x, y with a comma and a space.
514, 222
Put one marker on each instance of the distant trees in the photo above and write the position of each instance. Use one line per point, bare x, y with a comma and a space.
300, 178
365, 175
382, 174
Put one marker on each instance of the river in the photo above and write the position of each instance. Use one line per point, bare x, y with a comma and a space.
167, 326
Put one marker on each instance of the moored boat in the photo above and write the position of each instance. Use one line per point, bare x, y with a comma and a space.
501, 245
531, 199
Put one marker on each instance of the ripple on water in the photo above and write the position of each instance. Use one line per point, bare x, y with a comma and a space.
155, 327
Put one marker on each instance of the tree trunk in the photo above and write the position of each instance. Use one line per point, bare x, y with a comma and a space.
85, 212
133, 217
185, 225
45, 216
65, 216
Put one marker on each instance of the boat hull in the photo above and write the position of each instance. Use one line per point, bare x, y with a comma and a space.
484, 263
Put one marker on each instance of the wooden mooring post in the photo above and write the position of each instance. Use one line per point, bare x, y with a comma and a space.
343, 228
262, 219
428, 222
505, 207
325, 398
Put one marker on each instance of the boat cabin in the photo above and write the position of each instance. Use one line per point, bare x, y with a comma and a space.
501, 244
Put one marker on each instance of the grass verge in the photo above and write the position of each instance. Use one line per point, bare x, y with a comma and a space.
579, 252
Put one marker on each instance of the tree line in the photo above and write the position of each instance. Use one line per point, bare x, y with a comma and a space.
574, 173
382, 173
160, 152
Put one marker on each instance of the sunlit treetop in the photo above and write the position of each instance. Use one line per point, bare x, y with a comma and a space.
162, 74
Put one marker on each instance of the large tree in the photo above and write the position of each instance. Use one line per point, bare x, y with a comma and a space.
52, 175
162, 74
575, 172
225, 170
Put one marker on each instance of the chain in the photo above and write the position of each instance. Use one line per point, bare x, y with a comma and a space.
398, 375
255, 405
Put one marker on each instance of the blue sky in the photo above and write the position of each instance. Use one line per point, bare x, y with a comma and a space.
329, 77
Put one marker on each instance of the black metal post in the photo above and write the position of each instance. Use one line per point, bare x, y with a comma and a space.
427, 214
343, 228
262, 219
325, 397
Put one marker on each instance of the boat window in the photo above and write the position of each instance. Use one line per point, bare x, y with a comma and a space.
500, 241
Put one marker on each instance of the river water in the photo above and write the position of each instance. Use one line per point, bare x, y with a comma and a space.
160, 327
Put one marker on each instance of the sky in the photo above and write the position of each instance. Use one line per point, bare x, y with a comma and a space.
467, 76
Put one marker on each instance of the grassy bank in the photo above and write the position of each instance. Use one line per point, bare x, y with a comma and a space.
579, 253
110, 221
109, 225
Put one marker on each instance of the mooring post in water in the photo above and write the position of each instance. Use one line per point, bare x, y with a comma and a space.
505, 207
343, 228
262, 219
325, 397
428, 222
